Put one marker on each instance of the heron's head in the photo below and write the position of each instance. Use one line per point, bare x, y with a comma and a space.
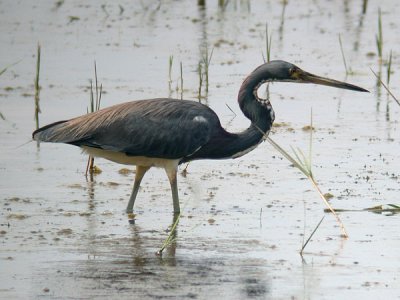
279, 70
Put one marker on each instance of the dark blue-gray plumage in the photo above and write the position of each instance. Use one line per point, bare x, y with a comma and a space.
167, 132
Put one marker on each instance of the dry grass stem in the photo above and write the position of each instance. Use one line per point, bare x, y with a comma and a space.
386, 88
94, 106
304, 164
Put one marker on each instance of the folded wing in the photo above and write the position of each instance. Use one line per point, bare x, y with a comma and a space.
165, 128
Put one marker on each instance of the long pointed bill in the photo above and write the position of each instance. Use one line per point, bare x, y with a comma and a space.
311, 78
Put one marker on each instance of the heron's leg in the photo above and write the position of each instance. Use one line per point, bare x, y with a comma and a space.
140, 171
171, 173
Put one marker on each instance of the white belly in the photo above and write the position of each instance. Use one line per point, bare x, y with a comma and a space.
122, 158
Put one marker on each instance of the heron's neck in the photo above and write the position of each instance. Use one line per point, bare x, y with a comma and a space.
224, 144
260, 113
230, 145
245, 141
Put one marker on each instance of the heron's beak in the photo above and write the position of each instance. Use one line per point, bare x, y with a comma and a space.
305, 77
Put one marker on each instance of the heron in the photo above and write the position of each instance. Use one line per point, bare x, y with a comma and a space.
167, 132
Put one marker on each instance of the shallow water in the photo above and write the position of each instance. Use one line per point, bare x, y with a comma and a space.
243, 221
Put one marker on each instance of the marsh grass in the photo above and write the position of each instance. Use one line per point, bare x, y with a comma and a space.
200, 73
9, 66
389, 68
311, 235
304, 164
37, 87
386, 88
268, 42
181, 69
179, 82
203, 71
1, 73
379, 36
234, 114
284, 4
94, 105
171, 238
170, 63
206, 62
348, 69
4, 70
364, 6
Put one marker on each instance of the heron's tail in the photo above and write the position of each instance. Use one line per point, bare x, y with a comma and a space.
49, 133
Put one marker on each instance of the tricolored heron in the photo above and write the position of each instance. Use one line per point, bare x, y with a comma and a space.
167, 132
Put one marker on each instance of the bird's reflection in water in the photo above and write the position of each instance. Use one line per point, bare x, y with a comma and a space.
90, 183
188, 266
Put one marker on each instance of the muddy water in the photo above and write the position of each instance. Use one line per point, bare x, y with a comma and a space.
244, 220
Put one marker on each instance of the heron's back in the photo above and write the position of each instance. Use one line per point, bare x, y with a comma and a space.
163, 128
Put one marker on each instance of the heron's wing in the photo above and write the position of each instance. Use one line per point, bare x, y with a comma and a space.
164, 128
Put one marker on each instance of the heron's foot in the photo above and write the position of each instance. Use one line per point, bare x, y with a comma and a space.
131, 217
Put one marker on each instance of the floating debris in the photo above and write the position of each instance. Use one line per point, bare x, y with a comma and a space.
17, 216
66, 231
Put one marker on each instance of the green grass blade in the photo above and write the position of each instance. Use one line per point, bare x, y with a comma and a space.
287, 156
343, 57
37, 87
311, 235
389, 68
170, 238
9, 66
